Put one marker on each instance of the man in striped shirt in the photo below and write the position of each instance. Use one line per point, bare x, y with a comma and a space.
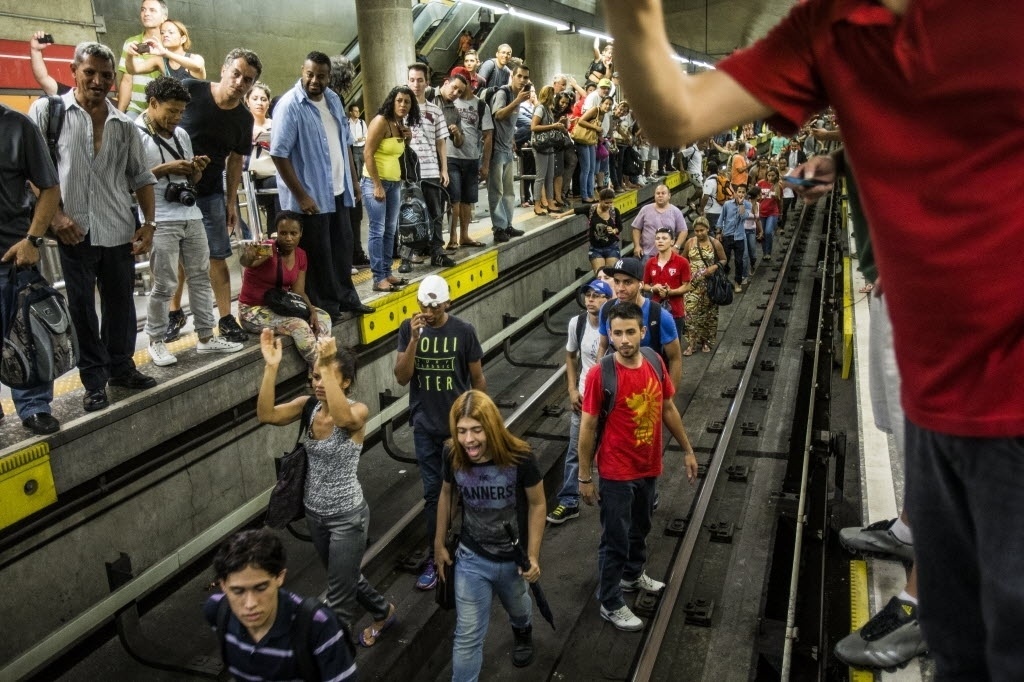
257, 636
99, 158
131, 88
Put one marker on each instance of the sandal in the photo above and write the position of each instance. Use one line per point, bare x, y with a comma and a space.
384, 286
369, 636
452, 246
472, 242
706, 348
866, 289
397, 281
541, 212
688, 352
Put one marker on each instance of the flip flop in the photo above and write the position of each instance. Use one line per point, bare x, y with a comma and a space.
473, 243
688, 352
368, 640
384, 289
866, 289
397, 281
706, 348
452, 246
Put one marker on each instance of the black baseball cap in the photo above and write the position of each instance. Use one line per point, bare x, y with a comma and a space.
626, 266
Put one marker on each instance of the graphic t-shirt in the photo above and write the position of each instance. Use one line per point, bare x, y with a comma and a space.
674, 274
215, 132
472, 129
489, 494
631, 445
441, 374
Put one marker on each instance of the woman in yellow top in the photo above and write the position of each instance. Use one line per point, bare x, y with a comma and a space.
386, 137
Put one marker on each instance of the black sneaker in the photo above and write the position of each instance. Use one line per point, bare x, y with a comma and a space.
561, 514
175, 322
513, 232
134, 380
230, 331
500, 236
522, 648
405, 267
890, 640
439, 260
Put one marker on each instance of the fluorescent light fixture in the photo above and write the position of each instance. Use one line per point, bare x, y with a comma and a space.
497, 9
537, 19
595, 34
680, 59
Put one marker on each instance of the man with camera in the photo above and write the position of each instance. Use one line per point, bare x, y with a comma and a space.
180, 233
99, 155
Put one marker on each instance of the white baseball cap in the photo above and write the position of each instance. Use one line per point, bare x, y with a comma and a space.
433, 291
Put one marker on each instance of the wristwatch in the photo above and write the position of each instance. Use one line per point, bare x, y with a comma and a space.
149, 223
35, 241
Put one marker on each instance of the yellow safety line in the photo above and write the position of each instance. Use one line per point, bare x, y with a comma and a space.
859, 610
847, 317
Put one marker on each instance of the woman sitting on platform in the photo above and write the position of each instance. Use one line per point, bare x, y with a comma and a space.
262, 265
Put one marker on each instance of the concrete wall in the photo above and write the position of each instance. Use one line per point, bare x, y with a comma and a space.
280, 33
70, 21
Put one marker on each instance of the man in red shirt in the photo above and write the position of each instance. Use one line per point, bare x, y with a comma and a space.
895, 70
629, 461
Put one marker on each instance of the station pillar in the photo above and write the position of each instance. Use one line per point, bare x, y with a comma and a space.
543, 53
386, 48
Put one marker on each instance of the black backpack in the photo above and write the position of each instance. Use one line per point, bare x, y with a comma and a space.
610, 386
653, 324
40, 343
487, 95
414, 229
631, 163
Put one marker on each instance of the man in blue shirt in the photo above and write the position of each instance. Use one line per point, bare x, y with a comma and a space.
627, 283
255, 629
311, 148
734, 212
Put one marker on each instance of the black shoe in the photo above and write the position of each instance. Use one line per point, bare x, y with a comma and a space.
500, 236
230, 331
95, 400
360, 259
405, 267
439, 260
522, 648
41, 424
359, 309
175, 322
513, 232
134, 380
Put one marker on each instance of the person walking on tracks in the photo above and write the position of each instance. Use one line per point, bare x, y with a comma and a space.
627, 398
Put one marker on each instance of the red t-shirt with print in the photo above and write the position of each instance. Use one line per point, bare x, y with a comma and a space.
674, 274
631, 446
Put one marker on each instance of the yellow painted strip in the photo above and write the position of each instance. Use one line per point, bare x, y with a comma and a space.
859, 610
625, 202
26, 483
391, 309
847, 317
673, 180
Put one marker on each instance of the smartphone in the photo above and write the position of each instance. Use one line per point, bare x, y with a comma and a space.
804, 182
47, 38
142, 48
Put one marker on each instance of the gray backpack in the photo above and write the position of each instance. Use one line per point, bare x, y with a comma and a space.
40, 342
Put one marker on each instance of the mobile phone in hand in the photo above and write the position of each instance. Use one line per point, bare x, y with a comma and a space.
804, 182
142, 48
47, 38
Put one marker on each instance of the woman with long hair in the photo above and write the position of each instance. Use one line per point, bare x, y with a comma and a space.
386, 138
587, 153
488, 465
259, 162
336, 510
706, 257
544, 120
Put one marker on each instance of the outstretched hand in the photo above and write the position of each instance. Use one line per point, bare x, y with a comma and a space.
821, 167
270, 347
326, 349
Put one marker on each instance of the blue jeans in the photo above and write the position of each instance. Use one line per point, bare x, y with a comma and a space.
751, 254
626, 508
27, 401
501, 193
769, 234
340, 542
383, 219
587, 154
429, 447
477, 580
569, 495
966, 507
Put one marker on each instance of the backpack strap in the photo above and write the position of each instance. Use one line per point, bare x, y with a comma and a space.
655, 360
609, 387
54, 125
654, 325
481, 106
581, 326
302, 639
306, 420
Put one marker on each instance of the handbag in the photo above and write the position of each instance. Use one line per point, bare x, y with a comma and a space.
602, 151
282, 301
584, 136
261, 164
286, 499
717, 284
550, 141
444, 595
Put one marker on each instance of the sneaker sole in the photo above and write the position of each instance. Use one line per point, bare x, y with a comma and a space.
559, 522
624, 628
874, 553
214, 351
633, 588
426, 588
166, 363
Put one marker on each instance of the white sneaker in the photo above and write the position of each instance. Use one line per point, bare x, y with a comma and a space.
161, 356
217, 345
623, 619
644, 582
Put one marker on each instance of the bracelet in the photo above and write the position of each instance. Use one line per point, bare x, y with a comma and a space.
580, 480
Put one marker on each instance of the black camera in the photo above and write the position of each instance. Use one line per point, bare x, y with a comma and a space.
182, 192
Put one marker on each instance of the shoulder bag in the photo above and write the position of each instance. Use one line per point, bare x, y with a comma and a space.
583, 135
282, 301
286, 499
718, 287
444, 595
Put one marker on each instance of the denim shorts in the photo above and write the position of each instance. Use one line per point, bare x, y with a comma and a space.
463, 180
596, 252
216, 223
